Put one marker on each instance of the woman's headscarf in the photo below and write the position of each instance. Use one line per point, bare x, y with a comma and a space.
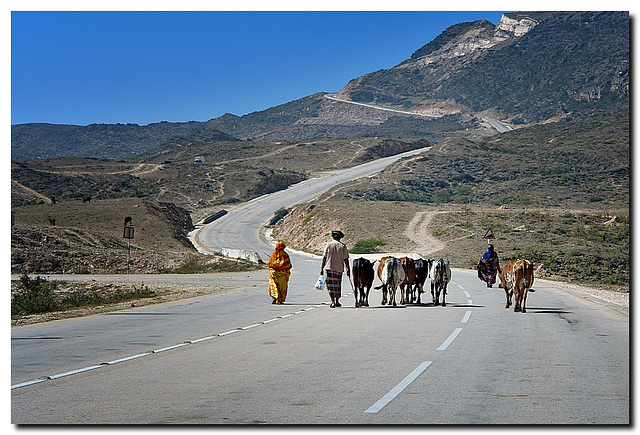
280, 259
489, 254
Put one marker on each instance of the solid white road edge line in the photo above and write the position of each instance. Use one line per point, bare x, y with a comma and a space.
73, 372
24, 384
449, 340
151, 352
384, 401
170, 347
127, 358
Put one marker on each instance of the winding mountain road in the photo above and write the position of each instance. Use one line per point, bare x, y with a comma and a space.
241, 228
384, 109
234, 358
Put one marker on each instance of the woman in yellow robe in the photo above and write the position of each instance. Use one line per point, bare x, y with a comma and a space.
279, 272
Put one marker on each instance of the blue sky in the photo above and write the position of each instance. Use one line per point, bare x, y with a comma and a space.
145, 67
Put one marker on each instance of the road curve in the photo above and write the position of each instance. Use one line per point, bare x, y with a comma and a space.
240, 229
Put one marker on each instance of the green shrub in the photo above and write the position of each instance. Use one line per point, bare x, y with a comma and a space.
204, 265
367, 246
308, 218
442, 196
34, 296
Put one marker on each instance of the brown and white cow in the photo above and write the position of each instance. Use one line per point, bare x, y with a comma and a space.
363, 275
507, 285
517, 279
406, 285
423, 267
391, 274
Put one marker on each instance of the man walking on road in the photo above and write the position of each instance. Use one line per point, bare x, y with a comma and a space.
335, 258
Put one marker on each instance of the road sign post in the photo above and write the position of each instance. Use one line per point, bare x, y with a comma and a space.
128, 234
489, 235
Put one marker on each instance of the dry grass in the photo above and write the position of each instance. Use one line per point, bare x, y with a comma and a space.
575, 245
162, 292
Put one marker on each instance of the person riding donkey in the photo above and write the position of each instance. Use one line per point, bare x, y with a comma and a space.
489, 266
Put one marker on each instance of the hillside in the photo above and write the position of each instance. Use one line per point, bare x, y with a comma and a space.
319, 116
231, 171
88, 237
526, 69
568, 164
108, 141
557, 194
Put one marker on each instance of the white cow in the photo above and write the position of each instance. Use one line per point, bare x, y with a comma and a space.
391, 274
440, 276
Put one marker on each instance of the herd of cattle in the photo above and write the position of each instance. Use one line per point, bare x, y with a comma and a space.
409, 276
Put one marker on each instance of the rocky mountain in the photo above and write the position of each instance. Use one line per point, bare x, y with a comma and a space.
527, 69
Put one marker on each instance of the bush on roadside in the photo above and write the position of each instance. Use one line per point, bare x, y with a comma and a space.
34, 296
367, 246
208, 264
37, 295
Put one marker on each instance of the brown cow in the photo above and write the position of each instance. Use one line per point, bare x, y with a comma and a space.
52, 221
517, 279
362, 280
409, 266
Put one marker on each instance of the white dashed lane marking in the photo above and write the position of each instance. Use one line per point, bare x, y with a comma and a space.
449, 340
465, 319
384, 401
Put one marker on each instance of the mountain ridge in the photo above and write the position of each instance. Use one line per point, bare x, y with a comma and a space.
529, 68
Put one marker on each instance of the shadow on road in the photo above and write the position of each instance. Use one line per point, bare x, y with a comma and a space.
544, 310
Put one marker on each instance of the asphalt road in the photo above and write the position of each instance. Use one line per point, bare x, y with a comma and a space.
235, 358
500, 126
241, 360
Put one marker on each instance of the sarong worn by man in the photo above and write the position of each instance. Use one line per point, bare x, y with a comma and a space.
334, 284
279, 272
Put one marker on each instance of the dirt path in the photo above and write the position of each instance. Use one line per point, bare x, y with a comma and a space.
33, 192
418, 232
